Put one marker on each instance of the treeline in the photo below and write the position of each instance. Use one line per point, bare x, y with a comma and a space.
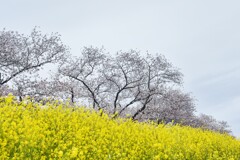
133, 84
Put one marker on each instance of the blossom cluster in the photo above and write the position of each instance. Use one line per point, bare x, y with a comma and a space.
59, 131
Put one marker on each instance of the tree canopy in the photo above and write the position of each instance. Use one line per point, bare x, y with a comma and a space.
142, 85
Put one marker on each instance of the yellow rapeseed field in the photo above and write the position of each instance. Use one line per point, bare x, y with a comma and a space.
58, 131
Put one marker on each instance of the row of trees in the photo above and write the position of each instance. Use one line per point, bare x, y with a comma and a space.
146, 87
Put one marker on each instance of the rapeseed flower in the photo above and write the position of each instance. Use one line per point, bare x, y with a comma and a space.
56, 131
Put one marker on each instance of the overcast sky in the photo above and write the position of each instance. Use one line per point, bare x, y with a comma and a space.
200, 37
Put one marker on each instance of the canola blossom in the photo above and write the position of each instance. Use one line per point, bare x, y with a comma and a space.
59, 131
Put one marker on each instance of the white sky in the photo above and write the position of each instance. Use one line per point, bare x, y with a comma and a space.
200, 37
